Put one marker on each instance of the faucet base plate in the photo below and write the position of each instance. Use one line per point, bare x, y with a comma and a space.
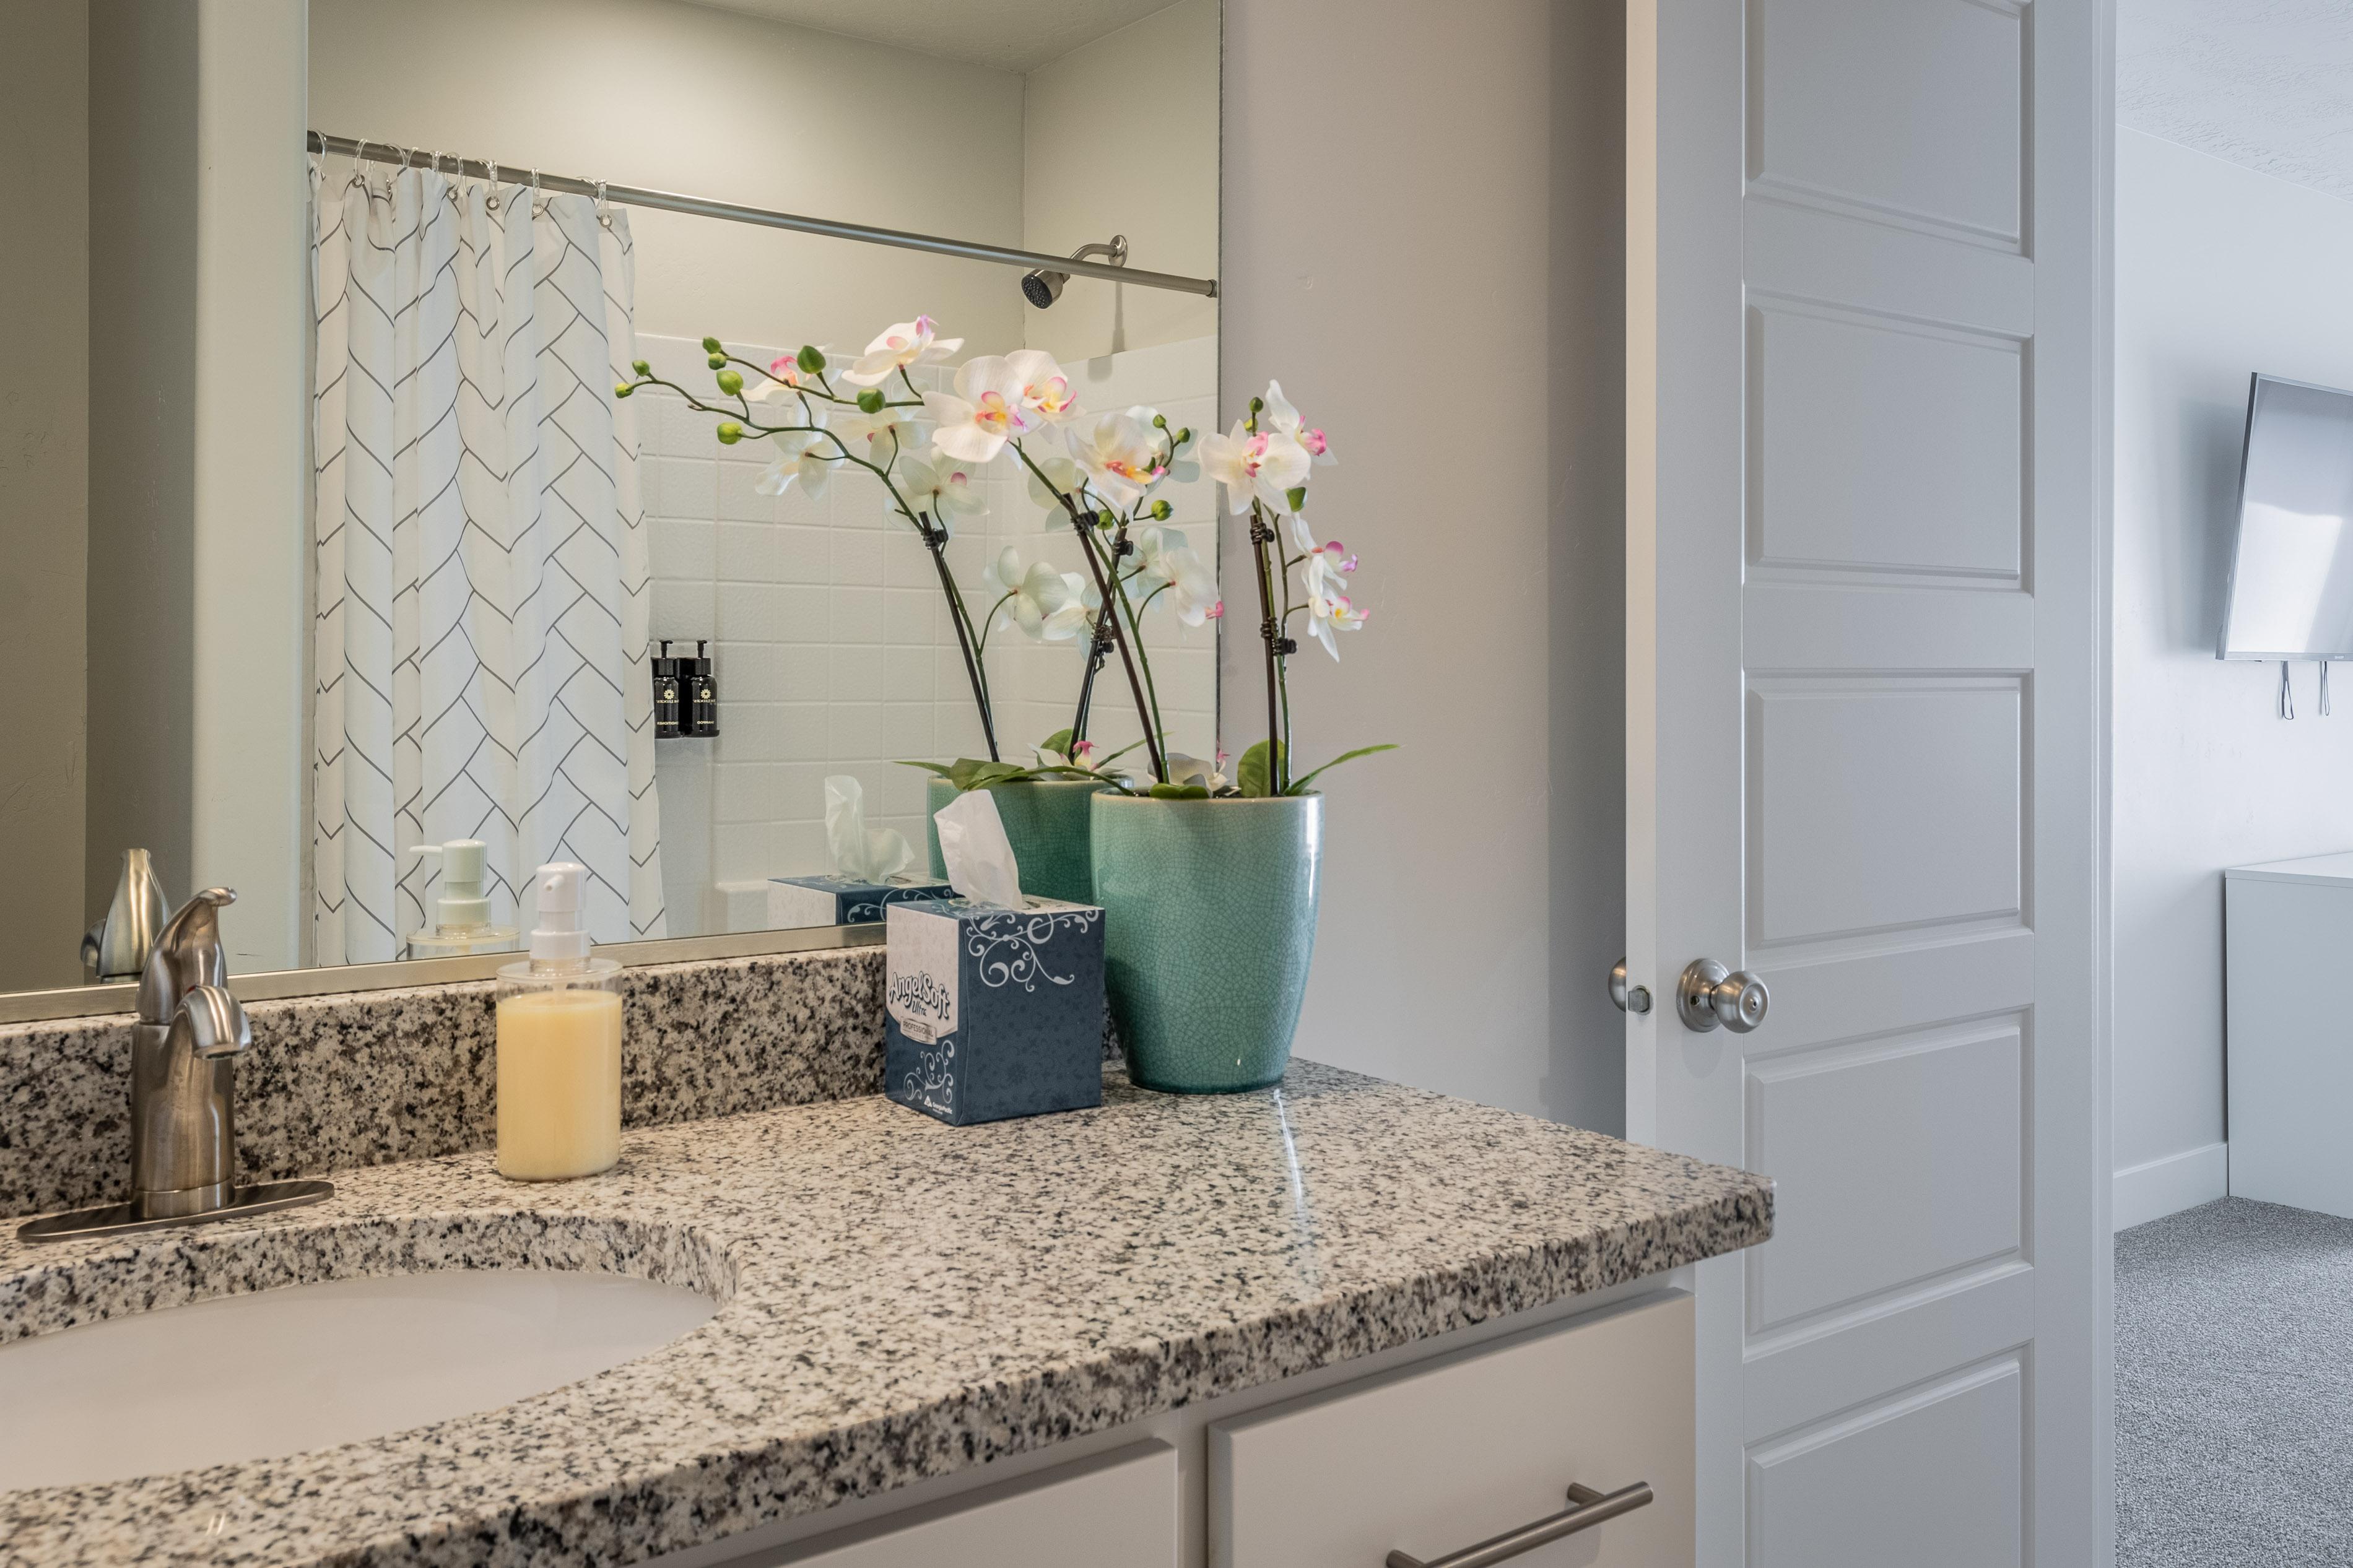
115, 1219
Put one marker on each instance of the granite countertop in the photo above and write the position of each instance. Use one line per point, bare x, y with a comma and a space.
900, 1299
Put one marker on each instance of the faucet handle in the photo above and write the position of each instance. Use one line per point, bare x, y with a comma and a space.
187, 954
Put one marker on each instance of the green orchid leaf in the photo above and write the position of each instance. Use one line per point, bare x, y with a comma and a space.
1253, 775
1058, 742
1299, 786
1179, 792
940, 768
966, 772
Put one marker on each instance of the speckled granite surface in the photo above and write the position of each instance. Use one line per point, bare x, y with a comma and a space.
335, 1082
901, 1300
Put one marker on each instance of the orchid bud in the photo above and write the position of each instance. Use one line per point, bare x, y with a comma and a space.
621, 389
1185, 436
710, 345
1297, 498
1161, 510
731, 382
811, 361
1258, 406
1160, 422
641, 367
729, 432
871, 401
717, 361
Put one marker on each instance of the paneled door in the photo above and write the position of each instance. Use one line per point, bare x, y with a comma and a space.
1867, 433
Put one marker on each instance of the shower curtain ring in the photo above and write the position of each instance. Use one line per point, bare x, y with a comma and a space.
604, 207
491, 203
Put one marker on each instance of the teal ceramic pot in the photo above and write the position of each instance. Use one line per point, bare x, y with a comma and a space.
1046, 822
1208, 928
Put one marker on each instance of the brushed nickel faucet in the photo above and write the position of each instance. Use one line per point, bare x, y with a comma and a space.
184, 1051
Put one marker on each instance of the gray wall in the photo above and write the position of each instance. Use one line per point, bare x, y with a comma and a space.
141, 341
44, 501
2221, 271
1423, 231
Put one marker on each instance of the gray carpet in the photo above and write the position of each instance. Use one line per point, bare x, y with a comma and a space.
2234, 1389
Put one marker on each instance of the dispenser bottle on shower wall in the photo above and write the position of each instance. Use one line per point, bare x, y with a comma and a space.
559, 1044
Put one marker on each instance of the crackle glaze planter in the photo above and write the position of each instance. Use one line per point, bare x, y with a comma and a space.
1046, 822
1209, 929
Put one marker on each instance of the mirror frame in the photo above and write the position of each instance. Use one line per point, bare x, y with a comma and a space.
277, 984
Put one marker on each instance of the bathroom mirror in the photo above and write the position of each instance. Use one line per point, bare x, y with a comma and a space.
455, 637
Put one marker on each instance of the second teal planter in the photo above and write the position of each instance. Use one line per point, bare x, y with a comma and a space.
1208, 931
1047, 823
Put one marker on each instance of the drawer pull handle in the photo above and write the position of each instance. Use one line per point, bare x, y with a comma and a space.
1587, 1508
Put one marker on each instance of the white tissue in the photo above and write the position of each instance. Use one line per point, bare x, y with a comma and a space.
860, 853
972, 843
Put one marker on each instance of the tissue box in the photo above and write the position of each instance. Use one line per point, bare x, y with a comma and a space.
992, 1012
796, 901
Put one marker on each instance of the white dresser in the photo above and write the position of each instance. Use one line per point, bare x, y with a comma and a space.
2288, 1042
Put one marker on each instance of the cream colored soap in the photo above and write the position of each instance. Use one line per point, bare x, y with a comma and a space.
559, 1084
559, 1050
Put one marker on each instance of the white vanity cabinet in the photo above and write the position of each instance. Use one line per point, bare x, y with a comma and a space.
1116, 1511
1424, 1450
2287, 1053
1437, 1458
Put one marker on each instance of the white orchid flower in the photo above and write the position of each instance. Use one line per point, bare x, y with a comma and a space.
1062, 478
1327, 568
1083, 756
888, 434
1279, 415
984, 412
1166, 560
1267, 466
1184, 770
1331, 612
806, 456
901, 345
1045, 389
1152, 549
946, 490
1192, 588
1047, 605
1121, 456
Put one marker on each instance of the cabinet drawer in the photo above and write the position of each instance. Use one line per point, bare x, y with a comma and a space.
1116, 1511
1434, 1460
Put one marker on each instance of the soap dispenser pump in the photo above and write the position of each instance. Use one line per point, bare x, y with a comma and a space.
559, 1044
461, 915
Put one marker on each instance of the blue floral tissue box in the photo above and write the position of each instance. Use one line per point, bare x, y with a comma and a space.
796, 901
992, 1012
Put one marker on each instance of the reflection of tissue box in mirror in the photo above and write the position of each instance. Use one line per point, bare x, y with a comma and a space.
992, 1012
796, 901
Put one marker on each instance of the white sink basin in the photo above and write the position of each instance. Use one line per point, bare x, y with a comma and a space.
309, 1366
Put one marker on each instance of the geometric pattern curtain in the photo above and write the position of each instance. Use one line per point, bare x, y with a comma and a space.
482, 557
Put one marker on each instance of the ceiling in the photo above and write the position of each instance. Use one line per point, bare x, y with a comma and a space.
2265, 83
1009, 34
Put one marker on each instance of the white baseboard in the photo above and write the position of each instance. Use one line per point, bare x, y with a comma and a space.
2177, 1182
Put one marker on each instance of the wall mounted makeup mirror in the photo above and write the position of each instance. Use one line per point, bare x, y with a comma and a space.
394, 569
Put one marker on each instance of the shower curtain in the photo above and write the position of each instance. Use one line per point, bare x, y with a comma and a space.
481, 556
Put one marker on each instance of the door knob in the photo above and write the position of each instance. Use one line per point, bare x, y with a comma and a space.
1629, 998
1710, 996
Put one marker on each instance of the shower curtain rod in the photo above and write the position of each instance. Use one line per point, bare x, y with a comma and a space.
667, 200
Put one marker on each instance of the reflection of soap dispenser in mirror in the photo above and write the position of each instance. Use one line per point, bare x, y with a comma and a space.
461, 915
559, 1044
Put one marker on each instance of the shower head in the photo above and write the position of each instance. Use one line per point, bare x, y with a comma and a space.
1042, 287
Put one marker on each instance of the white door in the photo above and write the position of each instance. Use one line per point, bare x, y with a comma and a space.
1867, 433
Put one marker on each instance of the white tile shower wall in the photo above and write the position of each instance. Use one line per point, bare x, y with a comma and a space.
832, 648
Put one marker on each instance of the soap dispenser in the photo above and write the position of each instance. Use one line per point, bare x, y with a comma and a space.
559, 1044
461, 915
